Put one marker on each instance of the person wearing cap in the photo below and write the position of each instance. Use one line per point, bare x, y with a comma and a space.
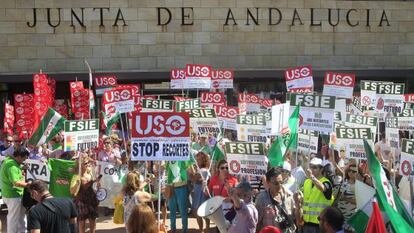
317, 195
276, 206
202, 145
288, 179
246, 213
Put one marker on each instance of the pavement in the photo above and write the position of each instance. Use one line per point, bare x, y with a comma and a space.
105, 224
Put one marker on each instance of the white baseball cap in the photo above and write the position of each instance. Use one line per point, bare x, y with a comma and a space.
316, 161
287, 166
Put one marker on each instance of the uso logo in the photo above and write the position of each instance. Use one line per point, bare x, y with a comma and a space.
198, 71
177, 73
161, 124
249, 98
118, 95
222, 74
226, 111
298, 72
105, 81
337, 79
213, 97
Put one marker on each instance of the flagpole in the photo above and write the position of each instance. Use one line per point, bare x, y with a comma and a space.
89, 86
159, 195
123, 132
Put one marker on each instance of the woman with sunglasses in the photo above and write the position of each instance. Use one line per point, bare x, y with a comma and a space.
109, 153
346, 196
217, 185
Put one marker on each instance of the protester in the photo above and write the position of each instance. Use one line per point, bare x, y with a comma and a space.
142, 220
202, 145
317, 194
12, 183
109, 153
50, 214
288, 180
86, 201
276, 206
217, 185
346, 196
331, 220
246, 213
17, 143
177, 179
134, 194
199, 176
8, 141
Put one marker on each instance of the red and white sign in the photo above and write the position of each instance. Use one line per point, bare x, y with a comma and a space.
24, 110
8, 118
80, 100
226, 116
339, 85
409, 98
266, 103
210, 99
160, 136
299, 79
222, 79
178, 79
121, 98
198, 76
249, 102
61, 107
104, 83
180, 98
44, 94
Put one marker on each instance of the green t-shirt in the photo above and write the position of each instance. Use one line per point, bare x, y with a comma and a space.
60, 177
10, 173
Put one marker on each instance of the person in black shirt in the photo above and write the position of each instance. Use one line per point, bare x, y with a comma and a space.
50, 214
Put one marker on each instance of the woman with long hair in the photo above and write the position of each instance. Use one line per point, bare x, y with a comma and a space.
134, 194
86, 201
142, 220
346, 196
217, 184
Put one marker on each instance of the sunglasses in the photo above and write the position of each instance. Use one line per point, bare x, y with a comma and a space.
9, 140
353, 171
222, 168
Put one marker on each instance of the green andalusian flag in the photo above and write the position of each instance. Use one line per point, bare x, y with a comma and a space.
109, 120
388, 200
285, 142
50, 125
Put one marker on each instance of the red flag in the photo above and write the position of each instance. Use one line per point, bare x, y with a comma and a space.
8, 118
376, 223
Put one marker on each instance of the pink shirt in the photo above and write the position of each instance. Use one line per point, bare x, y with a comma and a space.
111, 157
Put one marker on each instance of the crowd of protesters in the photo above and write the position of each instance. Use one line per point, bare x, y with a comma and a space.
309, 193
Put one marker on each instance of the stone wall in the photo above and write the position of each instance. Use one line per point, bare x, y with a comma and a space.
145, 45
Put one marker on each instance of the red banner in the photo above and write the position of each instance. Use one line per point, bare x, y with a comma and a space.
180, 98
61, 107
161, 124
209, 99
222, 79
266, 103
8, 118
44, 94
105, 81
299, 79
229, 112
249, 98
79, 100
24, 111
409, 98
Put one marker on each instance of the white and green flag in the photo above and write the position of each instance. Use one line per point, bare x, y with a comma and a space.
50, 125
388, 199
109, 120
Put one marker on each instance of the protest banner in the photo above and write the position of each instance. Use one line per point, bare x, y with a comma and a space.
392, 135
198, 76
8, 125
111, 185
280, 117
181, 106
355, 107
245, 158
408, 105
61, 107
226, 116
351, 140
204, 121
222, 79
81, 135
339, 85
44, 94
121, 99
409, 98
356, 121
251, 128
210, 99
37, 169
407, 157
390, 98
268, 119
178, 79
299, 79
369, 92
104, 83
150, 105
316, 111
405, 119
160, 136
248, 103
80, 100
266, 103
307, 142
24, 110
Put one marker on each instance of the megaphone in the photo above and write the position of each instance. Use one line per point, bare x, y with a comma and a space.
212, 209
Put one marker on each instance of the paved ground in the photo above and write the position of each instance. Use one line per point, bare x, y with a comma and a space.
105, 224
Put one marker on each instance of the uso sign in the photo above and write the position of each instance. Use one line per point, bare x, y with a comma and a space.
158, 136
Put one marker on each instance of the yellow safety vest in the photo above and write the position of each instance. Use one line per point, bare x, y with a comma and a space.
314, 201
